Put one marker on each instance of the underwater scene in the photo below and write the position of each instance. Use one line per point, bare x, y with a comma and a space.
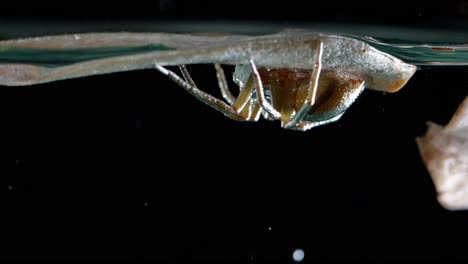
185, 131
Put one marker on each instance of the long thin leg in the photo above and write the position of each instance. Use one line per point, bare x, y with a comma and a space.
187, 76
256, 111
306, 125
261, 93
223, 86
239, 106
245, 95
199, 94
243, 105
235, 111
311, 90
348, 95
252, 110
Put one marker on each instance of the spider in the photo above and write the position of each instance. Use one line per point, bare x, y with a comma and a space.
300, 99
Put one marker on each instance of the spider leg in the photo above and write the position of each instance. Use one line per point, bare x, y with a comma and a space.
187, 76
243, 105
344, 95
208, 99
189, 85
311, 90
245, 97
252, 110
256, 111
261, 93
239, 104
223, 86
245, 94
306, 125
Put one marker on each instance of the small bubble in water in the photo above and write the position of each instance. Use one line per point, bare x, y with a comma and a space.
298, 255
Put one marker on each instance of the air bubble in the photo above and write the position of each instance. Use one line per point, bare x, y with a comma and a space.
298, 255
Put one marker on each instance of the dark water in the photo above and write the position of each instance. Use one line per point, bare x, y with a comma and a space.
129, 167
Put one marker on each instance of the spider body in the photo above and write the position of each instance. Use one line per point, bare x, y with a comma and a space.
287, 91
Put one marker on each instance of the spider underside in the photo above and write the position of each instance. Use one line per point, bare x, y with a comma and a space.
300, 99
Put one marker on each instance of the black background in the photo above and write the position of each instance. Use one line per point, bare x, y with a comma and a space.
128, 166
